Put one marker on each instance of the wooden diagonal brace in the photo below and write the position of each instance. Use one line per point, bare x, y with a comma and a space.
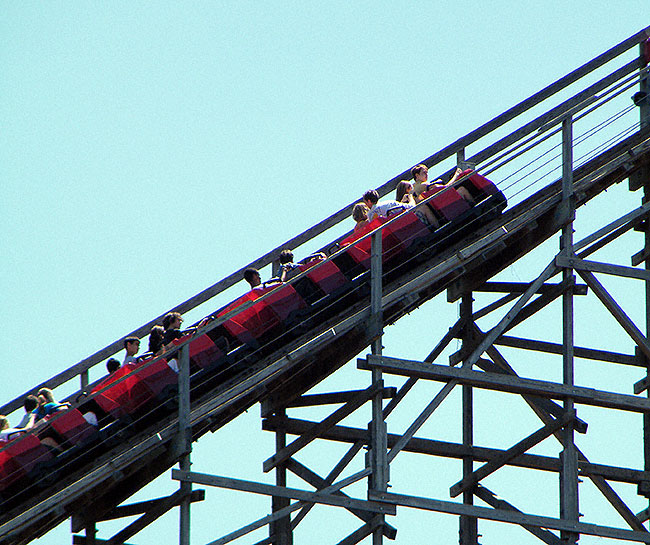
516, 450
336, 416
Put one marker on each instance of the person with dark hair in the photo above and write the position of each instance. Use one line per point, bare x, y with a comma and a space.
252, 276
113, 365
289, 269
131, 345
156, 345
420, 175
170, 318
29, 404
172, 325
384, 208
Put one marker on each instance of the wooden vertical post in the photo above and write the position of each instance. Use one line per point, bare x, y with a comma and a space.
83, 376
280, 530
378, 437
569, 504
468, 531
185, 438
644, 119
91, 534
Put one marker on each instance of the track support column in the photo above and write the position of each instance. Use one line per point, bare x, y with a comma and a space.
185, 440
378, 436
569, 505
280, 530
644, 114
468, 531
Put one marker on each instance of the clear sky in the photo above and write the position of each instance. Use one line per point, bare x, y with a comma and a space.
149, 149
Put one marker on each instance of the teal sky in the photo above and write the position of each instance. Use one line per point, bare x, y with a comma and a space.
148, 150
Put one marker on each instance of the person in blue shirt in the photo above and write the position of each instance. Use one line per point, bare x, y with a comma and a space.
47, 405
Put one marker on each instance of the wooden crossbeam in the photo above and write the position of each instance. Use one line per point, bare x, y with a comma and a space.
509, 516
521, 287
285, 492
83, 540
363, 532
580, 352
331, 477
259, 523
432, 447
544, 408
504, 383
331, 398
606, 268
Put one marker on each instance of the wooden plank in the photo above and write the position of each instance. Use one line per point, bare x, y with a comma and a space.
493, 306
81, 540
605, 268
410, 382
641, 385
628, 220
497, 330
640, 257
580, 352
538, 406
521, 287
526, 312
259, 523
509, 516
431, 447
331, 477
271, 490
504, 383
335, 397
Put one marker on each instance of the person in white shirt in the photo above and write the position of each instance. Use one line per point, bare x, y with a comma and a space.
384, 208
7, 433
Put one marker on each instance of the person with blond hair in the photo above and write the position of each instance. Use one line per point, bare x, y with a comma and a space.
7, 433
360, 215
47, 405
